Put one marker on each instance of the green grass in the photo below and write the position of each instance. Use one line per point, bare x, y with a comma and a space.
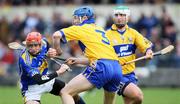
11, 95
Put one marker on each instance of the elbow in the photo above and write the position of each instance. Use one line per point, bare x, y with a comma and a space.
56, 35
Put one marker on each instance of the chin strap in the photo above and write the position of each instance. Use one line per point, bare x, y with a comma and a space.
80, 19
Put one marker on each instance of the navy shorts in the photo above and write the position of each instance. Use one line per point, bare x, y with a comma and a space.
128, 78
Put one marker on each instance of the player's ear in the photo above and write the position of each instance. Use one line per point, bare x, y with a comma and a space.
84, 18
127, 20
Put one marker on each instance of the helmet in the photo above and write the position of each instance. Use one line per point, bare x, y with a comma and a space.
84, 11
122, 10
33, 37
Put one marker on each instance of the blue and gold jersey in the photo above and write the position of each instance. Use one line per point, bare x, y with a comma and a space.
92, 41
125, 44
30, 65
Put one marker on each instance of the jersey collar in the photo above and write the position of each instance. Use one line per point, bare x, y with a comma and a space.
114, 28
89, 21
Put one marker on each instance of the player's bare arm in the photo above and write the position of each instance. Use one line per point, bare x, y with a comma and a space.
56, 42
74, 60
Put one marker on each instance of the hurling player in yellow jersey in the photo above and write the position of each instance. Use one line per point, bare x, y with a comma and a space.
125, 41
106, 72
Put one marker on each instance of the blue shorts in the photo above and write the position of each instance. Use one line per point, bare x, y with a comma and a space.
106, 74
132, 77
128, 78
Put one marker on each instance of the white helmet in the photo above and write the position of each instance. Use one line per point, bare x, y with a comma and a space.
122, 10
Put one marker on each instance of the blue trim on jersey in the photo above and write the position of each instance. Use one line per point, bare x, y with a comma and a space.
82, 46
45, 71
105, 39
125, 49
89, 21
63, 37
147, 50
46, 45
121, 32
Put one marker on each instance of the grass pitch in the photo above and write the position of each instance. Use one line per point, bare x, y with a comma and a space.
11, 95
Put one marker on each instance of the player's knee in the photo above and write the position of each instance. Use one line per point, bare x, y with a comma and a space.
63, 91
66, 91
138, 97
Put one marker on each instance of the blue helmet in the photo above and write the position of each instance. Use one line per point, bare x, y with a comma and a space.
84, 11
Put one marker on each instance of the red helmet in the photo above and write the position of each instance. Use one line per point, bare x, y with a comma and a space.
33, 37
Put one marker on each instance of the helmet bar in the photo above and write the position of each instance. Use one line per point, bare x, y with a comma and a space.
122, 10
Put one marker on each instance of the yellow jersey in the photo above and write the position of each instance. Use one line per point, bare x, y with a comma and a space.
92, 41
125, 45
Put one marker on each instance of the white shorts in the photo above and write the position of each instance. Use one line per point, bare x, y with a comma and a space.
35, 92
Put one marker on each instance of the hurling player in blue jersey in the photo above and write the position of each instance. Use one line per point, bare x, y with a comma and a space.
96, 47
34, 77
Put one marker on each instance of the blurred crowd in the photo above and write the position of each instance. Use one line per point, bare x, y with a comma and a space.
161, 31
78, 2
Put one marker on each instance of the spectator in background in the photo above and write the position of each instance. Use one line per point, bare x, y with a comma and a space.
168, 31
41, 25
3, 68
4, 30
58, 21
30, 23
177, 56
7, 59
15, 29
109, 22
147, 23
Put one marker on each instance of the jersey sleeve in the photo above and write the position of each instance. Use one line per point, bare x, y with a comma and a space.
70, 33
142, 43
31, 69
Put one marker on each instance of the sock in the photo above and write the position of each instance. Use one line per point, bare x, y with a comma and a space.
80, 101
